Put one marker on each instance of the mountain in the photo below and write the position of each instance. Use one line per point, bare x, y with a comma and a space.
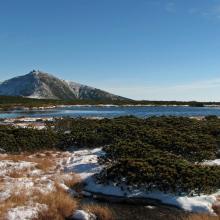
37, 84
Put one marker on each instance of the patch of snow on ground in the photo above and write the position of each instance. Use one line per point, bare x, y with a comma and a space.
24, 212
24, 177
85, 163
215, 162
26, 122
8, 166
82, 215
24, 182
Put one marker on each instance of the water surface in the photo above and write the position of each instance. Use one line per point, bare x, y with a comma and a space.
114, 111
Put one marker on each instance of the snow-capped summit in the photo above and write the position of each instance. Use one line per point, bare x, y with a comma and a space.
38, 84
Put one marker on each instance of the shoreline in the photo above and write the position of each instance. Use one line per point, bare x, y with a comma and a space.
25, 108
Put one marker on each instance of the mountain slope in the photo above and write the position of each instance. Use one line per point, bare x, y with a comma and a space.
42, 85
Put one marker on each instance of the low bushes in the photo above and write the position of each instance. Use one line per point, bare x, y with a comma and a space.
175, 176
154, 153
194, 140
26, 139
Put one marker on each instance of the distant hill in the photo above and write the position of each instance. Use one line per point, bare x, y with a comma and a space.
40, 85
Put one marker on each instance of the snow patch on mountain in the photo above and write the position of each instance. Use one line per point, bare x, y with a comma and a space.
41, 85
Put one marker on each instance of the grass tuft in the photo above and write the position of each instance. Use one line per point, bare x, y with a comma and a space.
201, 217
101, 212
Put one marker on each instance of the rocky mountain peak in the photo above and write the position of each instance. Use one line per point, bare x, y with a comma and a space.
38, 84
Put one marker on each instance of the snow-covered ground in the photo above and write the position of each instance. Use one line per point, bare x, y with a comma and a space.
26, 174
215, 162
27, 122
22, 177
27, 119
84, 162
25, 212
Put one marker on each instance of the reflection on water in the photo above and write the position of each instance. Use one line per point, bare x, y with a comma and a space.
114, 111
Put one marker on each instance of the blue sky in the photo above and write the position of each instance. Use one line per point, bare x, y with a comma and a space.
142, 49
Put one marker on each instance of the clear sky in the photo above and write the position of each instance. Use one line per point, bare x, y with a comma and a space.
142, 49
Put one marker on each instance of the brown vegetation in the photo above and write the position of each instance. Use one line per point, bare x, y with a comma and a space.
14, 157
60, 205
216, 206
72, 180
102, 212
17, 198
17, 173
43, 163
201, 217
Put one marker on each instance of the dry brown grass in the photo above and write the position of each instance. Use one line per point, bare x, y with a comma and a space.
15, 157
43, 164
17, 198
60, 205
49, 154
101, 212
72, 180
59, 202
2, 186
17, 173
44, 160
216, 209
216, 206
201, 217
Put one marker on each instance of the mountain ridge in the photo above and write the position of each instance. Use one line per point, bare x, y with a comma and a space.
42, 85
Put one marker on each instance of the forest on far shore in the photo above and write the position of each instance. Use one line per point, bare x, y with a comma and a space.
13, 102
